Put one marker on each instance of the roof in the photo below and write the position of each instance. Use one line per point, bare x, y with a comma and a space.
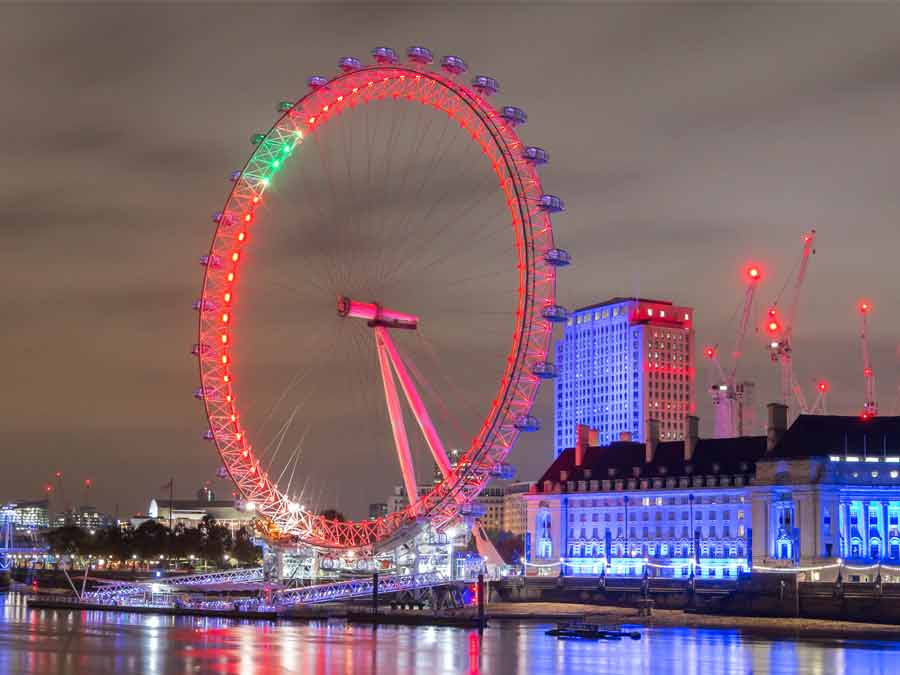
808, 436
820, 435
619, 300
711, 456
195, 504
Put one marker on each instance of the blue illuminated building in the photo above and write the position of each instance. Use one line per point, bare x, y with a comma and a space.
621, 363
822, 496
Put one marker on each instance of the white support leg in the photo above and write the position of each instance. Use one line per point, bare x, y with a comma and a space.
416, 404
401, 441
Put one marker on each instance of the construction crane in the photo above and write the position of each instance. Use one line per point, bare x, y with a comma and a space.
870, 406
820, 405
732, 400
780, 330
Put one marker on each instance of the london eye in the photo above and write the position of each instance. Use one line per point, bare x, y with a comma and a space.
380, 289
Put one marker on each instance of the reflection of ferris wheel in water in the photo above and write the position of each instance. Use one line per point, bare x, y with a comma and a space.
530, 308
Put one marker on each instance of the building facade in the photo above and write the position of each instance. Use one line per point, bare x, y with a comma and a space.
822, 496
190, 512
620, 363
85, 516
26, 515
489, 505
514, 508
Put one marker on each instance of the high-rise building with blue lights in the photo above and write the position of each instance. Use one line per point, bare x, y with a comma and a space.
622, 363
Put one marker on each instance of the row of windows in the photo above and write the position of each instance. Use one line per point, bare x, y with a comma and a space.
657, 515
710, 531
662, 550
683, 499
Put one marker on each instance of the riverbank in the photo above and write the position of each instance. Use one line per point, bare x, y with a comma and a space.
73, 606
767, 626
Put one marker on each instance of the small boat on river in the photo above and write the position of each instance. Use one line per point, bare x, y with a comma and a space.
590, 631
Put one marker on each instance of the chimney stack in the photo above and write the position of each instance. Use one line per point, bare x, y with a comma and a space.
594, 438
691, 437
651, 441
582, 437
777, 425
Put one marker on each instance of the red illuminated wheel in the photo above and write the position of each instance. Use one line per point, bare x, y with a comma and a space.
373, 247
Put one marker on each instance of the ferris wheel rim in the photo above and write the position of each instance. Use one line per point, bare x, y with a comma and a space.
530, 344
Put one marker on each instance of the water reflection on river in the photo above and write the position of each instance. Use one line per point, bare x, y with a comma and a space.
47, 641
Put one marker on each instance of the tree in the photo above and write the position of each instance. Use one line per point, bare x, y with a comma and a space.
151, 539
333, 514
215, 539
244, 550
67, 540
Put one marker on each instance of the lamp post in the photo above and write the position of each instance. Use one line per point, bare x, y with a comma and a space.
627, 547
692, 534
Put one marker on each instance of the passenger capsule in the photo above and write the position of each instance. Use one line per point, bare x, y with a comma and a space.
235, 176
210, 261
473, 509
454, 65
545, 370
220, 218
515, 116
503, 471
551, 204
349, 64
420, 55
204, 305
285, 106
555, 313
208, 395
256, 139
557, 257
535, 155
208, 435
316, 81
484, 85
199, 349
527, 423
385, 56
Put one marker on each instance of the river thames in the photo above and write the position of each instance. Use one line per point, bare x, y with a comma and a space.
58, 642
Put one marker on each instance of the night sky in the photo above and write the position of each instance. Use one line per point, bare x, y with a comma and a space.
686, 141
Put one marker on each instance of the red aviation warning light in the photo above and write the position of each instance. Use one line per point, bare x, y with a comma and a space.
772, 323
709, 352
754, 273
822, 386
870, 407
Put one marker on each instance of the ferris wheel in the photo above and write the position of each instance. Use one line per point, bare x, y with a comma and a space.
379, 247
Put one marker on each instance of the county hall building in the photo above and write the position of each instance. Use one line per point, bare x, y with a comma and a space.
821, 495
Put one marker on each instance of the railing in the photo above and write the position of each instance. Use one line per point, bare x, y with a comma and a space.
355, 588
125, 588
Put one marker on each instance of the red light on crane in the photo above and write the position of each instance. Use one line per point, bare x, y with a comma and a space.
710, 352
822, 386
754, 273
773, 326
865, 306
